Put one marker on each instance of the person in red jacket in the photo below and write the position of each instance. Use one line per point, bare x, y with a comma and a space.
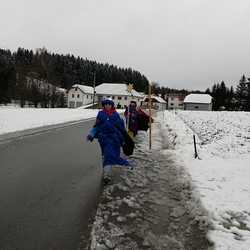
131, 115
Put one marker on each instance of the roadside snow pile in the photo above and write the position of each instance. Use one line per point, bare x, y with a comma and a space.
222, 173
17, 119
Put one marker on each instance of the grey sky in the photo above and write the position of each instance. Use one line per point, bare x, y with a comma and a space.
178, 43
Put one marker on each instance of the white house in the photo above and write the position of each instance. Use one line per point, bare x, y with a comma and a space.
198, 102
175, 100
119, 93
80, 95
157, 102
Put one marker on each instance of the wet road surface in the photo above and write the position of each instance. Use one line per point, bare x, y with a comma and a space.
49, 185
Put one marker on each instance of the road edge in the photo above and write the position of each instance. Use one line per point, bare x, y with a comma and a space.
11, 136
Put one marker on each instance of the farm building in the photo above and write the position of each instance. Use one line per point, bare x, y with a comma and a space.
119, 93
198, 102
80, 95
175, 100
157, 103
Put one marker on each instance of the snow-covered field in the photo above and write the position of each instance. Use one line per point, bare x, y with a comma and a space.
17, 119
221, 175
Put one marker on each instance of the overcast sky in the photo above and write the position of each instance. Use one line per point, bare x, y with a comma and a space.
177, 43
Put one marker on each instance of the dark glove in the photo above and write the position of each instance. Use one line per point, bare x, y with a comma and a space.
90, 138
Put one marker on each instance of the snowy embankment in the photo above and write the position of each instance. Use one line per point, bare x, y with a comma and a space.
18, 119
221, 175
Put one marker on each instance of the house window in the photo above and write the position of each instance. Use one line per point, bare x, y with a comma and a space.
78, 96
87, 97
196, 107
125, 97
73, 95
91, 97
119, 97
75, 89
171, 104
113, 97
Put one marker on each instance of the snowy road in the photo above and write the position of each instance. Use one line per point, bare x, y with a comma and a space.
49, 183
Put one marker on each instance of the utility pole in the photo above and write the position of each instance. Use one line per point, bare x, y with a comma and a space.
129, 88
150, 114
94, 90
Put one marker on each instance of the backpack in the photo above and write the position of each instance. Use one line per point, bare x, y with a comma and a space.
128, 146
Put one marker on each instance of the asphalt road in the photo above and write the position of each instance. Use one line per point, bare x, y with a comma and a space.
49, 185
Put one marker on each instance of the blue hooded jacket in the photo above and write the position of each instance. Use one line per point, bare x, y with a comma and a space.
109, 130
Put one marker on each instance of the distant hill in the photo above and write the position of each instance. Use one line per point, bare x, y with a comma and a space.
59, 70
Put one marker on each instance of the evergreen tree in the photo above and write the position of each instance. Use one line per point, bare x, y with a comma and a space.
222, 95
36, 96
231, 99
54, 98
155, 89
61, 101
45, 100
242, 93
207, 91
7, 77
214, 93
248, 95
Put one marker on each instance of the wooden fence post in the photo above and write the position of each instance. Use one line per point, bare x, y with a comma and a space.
195, 149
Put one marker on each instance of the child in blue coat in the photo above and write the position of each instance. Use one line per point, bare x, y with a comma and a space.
108, 129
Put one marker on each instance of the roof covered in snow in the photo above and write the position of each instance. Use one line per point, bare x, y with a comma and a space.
117, 89
85, 89
159, 99
156, 98
61, 90
198, 98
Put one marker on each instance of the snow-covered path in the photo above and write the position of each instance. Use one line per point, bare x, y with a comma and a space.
150, 207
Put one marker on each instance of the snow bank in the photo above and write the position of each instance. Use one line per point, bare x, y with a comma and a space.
17, 119
222, 173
